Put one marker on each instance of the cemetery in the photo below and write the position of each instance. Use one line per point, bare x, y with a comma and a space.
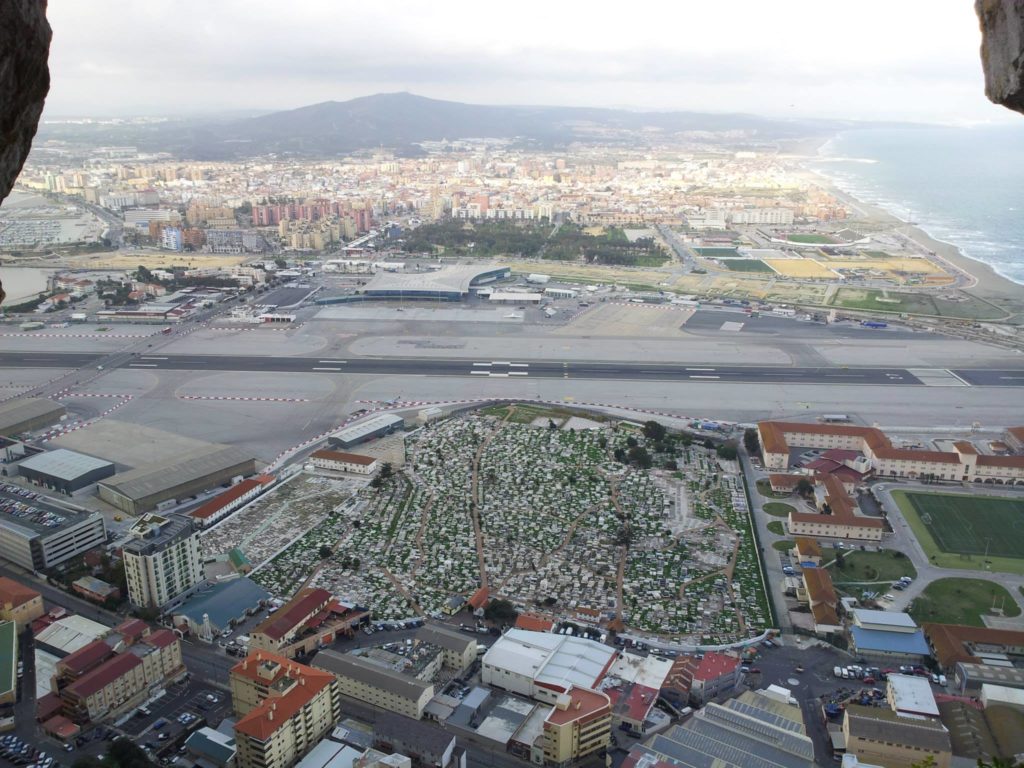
573, 516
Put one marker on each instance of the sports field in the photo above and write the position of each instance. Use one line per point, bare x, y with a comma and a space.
957, 531
811, 238
802, 268
746, 265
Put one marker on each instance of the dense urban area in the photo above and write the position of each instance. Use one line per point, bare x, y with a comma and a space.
491, 454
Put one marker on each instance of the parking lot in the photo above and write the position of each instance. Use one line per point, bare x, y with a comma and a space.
185, 708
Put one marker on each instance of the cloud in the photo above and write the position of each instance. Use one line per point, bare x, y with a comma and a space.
736, 55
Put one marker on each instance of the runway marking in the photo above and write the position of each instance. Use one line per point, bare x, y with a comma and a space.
481, 373
486, 365
498, 375
1014, 378
335, 362
149, 357
966, 383
696, 376
142, 365
844, 375
700, 369
326, 369
518, 373
518, 365
502, 362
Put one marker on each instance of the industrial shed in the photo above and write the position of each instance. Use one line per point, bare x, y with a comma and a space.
375, 426
141, 489
65, 471
18, 416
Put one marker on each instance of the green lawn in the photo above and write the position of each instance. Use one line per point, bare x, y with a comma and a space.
783, 546
777, 509
717, 253
764, 487
885, 566
961, 601
915, 303
956, 530
812, 238
776, 527
746, 265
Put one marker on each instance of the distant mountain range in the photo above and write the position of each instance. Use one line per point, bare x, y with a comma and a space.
400, 121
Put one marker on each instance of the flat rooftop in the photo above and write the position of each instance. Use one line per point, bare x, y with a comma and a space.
30, 517
64, 464
453, 279
152, 479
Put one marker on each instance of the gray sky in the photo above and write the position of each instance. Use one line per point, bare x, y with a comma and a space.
870, 59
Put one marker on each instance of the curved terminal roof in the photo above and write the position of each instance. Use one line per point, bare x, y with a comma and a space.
447, 280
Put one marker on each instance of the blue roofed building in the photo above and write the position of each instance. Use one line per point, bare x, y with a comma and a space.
887, 637
208, 748
213, 609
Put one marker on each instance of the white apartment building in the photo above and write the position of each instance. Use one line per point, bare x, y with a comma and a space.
161, 560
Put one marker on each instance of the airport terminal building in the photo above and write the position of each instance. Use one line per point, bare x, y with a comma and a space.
452, 283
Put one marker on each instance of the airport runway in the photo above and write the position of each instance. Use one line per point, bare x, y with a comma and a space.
516, 369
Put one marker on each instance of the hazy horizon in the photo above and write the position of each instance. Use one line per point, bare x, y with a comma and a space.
803, 60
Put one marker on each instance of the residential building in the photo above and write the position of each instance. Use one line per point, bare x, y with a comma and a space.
714, 675
458, 650
171, 239
376, 684
806, 551
284, 708
578, 725
95, 589
161, 559
122, 681
311, 619
208, 748
341, 461
879, 735
911, 695
19, 603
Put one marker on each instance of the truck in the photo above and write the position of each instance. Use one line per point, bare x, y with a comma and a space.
537, 279
873, 324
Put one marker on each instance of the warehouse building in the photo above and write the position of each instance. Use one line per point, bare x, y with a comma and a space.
376, 426
458, 651
542, 665
143, 488
375, 684
64, 471
38, 534
18, 416
879, 735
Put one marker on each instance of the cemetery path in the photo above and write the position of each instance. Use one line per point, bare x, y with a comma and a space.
474, 494
620, 574
424, 517
729, 570
401, 589
548, 555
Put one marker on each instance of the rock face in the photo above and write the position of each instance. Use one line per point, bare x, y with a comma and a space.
1002, 50
24, 81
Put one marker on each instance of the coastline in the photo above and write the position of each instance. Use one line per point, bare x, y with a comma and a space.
982, 280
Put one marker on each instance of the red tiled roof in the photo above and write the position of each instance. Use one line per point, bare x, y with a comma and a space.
161, 638
347, 458
825, 615
132, 628
235, 492
86, 657
104, 675
275, 711
636, 704
807, 547
15, 593
479, 598
949, 641
291, 615
819, 587
533, 622
583, 703
783, 480
715, 665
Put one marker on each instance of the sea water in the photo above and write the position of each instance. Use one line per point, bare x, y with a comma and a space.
961, 185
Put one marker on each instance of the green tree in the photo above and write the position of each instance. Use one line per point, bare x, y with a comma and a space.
751, 442
804, 487
654, 431
638, 455
727, 451
281, 263
500, 612
324, 551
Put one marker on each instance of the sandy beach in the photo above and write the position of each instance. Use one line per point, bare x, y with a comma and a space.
983, 281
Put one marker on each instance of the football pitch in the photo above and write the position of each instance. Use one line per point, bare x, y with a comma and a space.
959, 531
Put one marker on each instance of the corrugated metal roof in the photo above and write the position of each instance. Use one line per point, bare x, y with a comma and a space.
152, 479
64, 464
